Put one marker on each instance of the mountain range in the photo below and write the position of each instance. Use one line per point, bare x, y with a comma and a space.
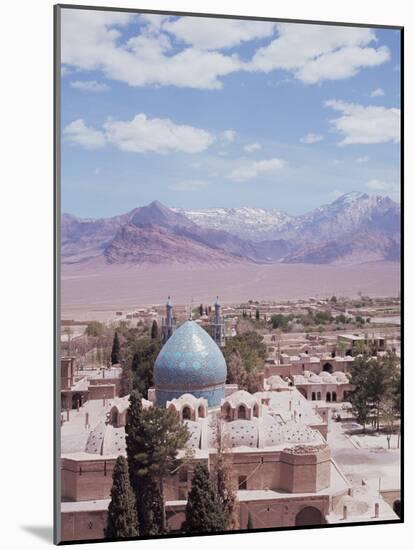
354, 228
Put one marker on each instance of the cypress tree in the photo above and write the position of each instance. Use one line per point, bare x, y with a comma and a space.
122, 519
116, 350
154, 330
257, 315
201, 310
152, 441
203, 513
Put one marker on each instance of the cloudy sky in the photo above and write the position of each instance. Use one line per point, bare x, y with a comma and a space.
200, 112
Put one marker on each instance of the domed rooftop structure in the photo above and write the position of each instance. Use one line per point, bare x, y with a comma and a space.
190, 362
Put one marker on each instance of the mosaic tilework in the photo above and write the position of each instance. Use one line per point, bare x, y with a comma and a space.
190, 362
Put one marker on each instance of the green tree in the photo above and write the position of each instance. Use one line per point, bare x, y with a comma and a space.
153, 439
154, 330
142, 363
375, 382
95, 329
360, 407
116, 350
245, 355
257, 315
122, 519
279, 321
221, 474
204, 513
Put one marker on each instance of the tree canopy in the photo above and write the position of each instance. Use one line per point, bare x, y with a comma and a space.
122, 519
204, 513
153, 437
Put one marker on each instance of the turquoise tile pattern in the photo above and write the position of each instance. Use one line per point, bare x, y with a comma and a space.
190, 362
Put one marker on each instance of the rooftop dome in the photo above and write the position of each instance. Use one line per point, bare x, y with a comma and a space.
190, 362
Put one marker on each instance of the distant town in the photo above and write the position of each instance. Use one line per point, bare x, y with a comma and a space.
294, 404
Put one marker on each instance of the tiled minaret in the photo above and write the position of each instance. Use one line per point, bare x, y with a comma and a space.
168, 322
217, 326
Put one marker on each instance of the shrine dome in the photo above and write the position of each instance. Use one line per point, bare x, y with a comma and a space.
190, 362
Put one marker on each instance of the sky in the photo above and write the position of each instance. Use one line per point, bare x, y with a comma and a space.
205, 112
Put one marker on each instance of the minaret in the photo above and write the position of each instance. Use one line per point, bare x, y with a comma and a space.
168, 322
217, 326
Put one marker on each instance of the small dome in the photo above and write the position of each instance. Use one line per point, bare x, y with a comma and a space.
105, 439
190, 362
242, 433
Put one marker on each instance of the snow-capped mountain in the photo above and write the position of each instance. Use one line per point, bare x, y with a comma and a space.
354, 228
256, 224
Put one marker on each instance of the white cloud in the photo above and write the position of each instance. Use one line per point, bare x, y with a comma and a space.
383, 187
341, 64
378, 92
191, 185
311, 138
150, 56
215, 34
254, 169
251, 147
314, 53
141, 135
90, 41
371, 124
229, 135
157, 135
89, 86
362, 160
78, 132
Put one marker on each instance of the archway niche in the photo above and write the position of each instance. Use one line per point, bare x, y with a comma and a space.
114, 417
328, 396
242, 412
328, 368
227, 412
201, 412
186, 413
309, 516
256, 410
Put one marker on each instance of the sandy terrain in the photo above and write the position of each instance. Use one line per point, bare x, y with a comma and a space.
98, 292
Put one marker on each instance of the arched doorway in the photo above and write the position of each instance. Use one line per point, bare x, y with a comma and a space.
227, 412
309, 516
328, 368
256, 410
313, 396
186, 413
319, 396
201, 412
334, 396
328, 396
114, 417
397, 507
242, 412
76, 400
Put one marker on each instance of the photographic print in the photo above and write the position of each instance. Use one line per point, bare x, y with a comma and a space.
228, 274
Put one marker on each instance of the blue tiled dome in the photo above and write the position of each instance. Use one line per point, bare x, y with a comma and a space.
190, 362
